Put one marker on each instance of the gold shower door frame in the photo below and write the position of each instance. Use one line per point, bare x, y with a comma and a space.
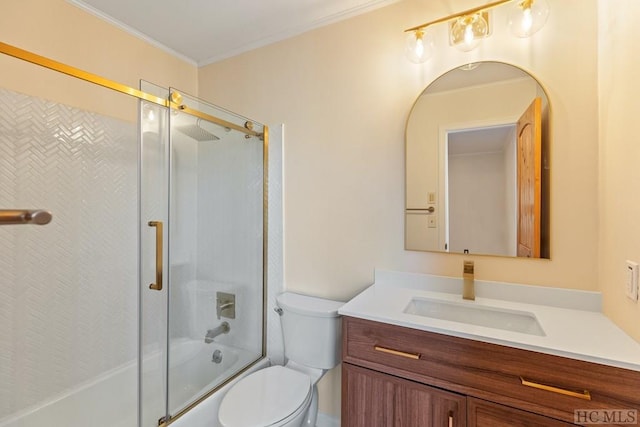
173, 102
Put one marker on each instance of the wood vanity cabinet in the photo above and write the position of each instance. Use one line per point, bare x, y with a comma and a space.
374, 399
397, 376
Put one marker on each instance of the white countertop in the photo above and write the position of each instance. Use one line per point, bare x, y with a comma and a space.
572, 320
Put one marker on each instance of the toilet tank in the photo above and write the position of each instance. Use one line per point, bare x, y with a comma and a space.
312, 330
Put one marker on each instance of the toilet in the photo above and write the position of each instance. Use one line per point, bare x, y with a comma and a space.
286, 396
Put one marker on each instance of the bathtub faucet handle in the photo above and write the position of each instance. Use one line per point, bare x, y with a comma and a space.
225, 305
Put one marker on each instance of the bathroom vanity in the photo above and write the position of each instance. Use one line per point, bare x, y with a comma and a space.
407, 367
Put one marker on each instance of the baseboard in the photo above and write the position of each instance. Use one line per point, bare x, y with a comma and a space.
325, 420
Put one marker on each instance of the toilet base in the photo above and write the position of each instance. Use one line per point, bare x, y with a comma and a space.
312, 412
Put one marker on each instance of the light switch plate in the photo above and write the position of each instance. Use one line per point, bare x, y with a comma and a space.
631, 280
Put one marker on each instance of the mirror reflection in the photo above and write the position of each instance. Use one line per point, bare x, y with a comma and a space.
477, 176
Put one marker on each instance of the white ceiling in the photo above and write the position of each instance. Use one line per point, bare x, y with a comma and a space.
483, 73
492, 139
206, 31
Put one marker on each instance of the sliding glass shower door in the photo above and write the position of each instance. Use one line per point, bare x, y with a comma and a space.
68, 283
202, 251
132, 247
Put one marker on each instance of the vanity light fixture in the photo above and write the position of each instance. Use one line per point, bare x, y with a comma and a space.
419, 46
528, 17
467, 31
468, 28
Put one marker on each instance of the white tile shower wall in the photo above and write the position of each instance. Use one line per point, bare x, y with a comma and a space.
184, 235
68, 291
230, 213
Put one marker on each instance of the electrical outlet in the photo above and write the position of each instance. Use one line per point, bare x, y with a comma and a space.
631, 280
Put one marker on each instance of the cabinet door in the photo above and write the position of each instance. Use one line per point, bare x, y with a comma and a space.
481, 413
418, 405
367, 398
372, 399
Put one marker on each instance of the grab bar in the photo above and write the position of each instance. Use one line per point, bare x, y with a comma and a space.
24, 216
157, 286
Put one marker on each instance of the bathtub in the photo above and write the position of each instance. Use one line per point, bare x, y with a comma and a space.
205, 414
110, 400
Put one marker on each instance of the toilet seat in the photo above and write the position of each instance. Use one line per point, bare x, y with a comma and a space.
267, 397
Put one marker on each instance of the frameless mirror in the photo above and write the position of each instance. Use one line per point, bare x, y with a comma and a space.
477, 176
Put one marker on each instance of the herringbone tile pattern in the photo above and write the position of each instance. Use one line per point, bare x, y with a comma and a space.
68, 291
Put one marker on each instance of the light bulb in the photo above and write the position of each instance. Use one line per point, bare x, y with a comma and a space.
468, 35
527, 20
527, 17
419, 46
467, 32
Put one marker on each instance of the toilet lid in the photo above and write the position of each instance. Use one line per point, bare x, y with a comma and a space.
264, 397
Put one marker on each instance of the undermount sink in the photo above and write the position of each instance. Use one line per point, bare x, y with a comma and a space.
479, 315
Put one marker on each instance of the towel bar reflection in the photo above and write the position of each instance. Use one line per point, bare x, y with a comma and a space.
157, 286
24, 216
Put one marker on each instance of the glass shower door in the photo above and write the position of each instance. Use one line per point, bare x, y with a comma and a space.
216, 250
68, 295
205, 184
153, 204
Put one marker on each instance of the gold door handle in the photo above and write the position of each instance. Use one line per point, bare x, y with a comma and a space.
583, 394
157, 286
415, 356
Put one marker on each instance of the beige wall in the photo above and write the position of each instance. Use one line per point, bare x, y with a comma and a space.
62, 32
619, 157
344, 92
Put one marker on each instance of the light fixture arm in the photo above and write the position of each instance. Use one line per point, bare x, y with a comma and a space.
457, 15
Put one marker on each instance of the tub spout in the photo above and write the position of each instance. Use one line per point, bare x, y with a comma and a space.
224, 328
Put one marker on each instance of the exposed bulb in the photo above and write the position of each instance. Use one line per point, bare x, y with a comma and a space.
527, 20
468, 35
419, 46
467, 32
527, 17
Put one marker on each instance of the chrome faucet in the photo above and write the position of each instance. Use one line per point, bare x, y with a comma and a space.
224, 328
468, 289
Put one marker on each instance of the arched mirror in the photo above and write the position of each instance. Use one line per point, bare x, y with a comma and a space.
477, 175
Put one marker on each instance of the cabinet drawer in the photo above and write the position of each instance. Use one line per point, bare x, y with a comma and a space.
546, 384
481, 413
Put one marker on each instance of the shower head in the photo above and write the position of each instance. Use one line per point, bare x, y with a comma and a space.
197, 132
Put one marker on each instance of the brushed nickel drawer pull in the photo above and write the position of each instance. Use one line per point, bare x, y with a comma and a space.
415, 356
579, 394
